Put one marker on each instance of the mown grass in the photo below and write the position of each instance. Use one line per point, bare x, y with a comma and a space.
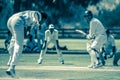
75, 60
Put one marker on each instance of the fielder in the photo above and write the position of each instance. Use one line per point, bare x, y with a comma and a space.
16, 25
40, 33
96, 31
51, 36
109, 50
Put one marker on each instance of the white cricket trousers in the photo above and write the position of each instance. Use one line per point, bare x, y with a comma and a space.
97, 44
16, 26
58, 50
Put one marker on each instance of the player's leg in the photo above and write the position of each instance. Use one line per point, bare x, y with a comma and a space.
26, 49
102, 58
92, 53
11, 46
42, 52
59, 52
43, 39
18, 46
96, 46
93, 58
88, 48
116, 59
39, 42
35, 49
18, 33
10, 50
102, 54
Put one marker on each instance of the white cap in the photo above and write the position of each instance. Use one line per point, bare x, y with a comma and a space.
51, 26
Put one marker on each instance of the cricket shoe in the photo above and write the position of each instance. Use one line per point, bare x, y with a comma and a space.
115, 64
40, 61
62, 62
98, 65
90, 66
11, 72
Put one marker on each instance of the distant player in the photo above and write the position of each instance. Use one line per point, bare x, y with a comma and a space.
51, 36
109, 49
16, 25
30, 45
96, 31
39, 32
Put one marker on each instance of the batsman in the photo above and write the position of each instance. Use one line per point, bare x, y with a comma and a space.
98, 33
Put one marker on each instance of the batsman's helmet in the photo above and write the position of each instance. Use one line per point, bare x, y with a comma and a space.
88, 13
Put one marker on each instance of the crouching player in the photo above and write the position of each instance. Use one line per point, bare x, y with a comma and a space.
109, 50
51, 36
31, 45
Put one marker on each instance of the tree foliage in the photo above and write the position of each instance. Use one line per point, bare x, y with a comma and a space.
59, 11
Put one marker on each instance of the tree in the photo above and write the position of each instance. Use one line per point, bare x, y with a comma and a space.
6, 12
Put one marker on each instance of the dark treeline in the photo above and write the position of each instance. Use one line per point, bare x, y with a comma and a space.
61, 11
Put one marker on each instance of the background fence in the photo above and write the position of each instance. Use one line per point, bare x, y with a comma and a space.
69, 33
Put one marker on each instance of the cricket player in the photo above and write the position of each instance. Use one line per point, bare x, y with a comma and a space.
109, 49
96, 31
39, 32
30, 45
51, 36
16, 25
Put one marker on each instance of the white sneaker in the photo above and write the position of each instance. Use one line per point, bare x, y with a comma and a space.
40, 61
90, 66
10, 72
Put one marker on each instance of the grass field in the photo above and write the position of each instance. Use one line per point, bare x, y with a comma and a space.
72, 44
75, 67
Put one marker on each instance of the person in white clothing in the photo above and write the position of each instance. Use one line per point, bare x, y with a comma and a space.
51, 36
98, 33
16, 24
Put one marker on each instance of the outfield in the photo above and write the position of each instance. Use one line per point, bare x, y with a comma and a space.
72, 44
75, 67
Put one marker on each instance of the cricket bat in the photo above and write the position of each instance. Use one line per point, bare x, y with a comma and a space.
80, 31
